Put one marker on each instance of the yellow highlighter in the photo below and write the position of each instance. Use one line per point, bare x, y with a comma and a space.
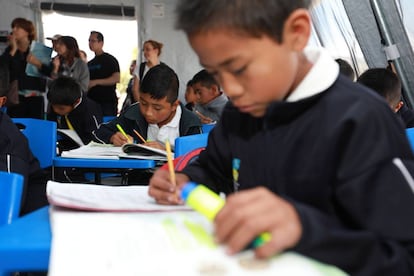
122, 131
208, 203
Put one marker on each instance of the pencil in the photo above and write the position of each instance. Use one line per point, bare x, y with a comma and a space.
122, 131
170, 162
139, 136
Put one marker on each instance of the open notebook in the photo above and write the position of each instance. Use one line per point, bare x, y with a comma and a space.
172, 242
109, 151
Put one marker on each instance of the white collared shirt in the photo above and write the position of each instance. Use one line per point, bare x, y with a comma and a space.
320, 77
168, 131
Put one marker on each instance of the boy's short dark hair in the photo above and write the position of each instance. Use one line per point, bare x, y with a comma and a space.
205, 79
256, 18
160, 81
345, 68
4, 79
64, 91
190, 83
384, 82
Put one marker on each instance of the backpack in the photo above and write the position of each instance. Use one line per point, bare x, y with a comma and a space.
182, 161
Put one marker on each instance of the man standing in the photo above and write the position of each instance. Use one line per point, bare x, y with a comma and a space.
104, 75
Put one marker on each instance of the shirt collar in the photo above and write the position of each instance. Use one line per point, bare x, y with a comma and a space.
321, 76
175, 120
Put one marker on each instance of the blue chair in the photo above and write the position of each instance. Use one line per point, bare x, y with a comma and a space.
41, 135
11, 189
410, 136
106, 119
206, 128
188, 143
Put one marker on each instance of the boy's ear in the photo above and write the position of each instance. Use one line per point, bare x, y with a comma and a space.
297, 30
76, 102
3, 101
398, 106
175, 104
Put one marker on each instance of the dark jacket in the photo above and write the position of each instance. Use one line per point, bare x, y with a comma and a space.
341, 158
132, 119
85, 118
15, 156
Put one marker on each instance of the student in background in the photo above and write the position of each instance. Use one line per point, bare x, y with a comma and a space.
210, 100
190, 96
129, 98
302, 153
387, 84
16, 156
157, 117
71, 109
104, 75
345, 68
152, 51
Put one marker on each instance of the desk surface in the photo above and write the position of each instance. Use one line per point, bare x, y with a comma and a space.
103, 163
25, 244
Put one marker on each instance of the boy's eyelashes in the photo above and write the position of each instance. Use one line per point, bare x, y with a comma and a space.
239, 71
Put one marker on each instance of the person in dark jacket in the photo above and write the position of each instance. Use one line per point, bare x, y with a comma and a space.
157, 117
387, 84
303, 153
16, 156
71, 109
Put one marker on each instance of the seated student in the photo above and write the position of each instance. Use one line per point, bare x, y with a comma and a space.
387, 84
157, 117
15, 155
210, 100
190, 96
71, 109
345, 68
319, 164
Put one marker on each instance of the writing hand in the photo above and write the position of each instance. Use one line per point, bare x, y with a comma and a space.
118, 139
204, 119
155, 144
247, 214
163, 191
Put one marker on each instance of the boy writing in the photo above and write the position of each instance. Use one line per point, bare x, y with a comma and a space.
307, 151
210, 101
71, 109
157, 117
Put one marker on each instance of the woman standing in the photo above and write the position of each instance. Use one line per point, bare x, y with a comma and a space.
67, 62
152, 52
31, 101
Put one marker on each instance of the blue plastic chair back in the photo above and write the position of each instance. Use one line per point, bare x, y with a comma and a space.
410, 136
41, 135
186, 144
207, 127
11, 189
106, 119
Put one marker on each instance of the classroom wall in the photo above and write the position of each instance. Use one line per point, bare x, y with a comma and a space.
176, 52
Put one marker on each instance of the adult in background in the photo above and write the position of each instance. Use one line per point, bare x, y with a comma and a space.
152, 52
104, 75
67, 63
30, 89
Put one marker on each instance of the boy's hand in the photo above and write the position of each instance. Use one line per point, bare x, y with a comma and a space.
247, 214
163, 191
155, 144
118, 139
204, 119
